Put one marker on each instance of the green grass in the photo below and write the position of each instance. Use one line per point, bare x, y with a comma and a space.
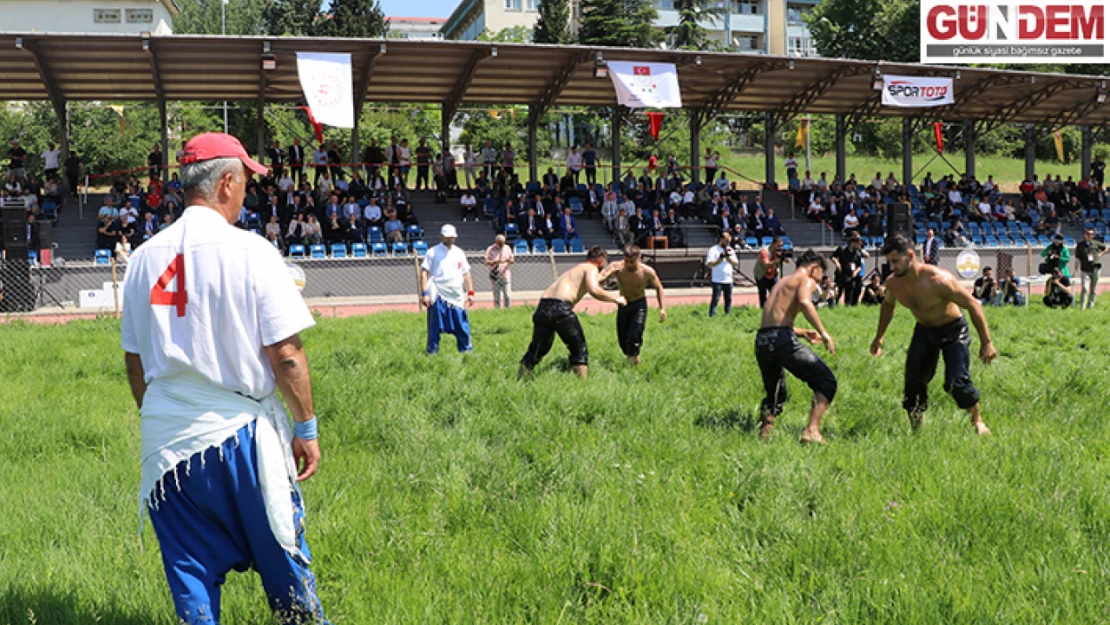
450, 493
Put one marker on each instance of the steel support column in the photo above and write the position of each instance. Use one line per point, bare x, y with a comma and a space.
907, 150
57, 100
533, 155
262, 121
695, 147
970, 139
841, 149
1085, 151
769, 148
1030, 151
616, 136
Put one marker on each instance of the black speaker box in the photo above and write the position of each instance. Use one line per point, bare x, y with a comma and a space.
15, 275
899, 220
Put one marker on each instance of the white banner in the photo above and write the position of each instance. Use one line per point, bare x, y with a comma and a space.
326, 82
1002, 31
917, 91
646, 85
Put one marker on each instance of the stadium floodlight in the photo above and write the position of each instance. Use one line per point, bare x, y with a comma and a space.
269, 59
1100, 96
19, 42
877, 80
601, 67
697, 60
790, 64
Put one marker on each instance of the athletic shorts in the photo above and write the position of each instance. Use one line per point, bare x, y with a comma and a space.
778, 349
631, 320
555, 316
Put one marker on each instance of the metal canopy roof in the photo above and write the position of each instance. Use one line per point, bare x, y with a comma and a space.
185, 67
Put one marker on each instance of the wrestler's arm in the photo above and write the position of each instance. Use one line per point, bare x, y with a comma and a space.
598, 293
957, 294
657, 284
805, 301
886, 314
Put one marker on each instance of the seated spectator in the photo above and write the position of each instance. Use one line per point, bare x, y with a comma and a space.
986, 289
107, 233
147, 229
874, 292
313, 234
1057, 290
568, 226
109, 208
851, 222
394, 229
167, 221
531, 226
372, 214
353, 230
623, 228
609, 209
1010, 290
334, 231
816, 211
469, 205
274, 227
671, 223
294, 234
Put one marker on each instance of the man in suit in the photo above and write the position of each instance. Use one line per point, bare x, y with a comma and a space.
531, 226
724, 220
931, 248
674, 232
568, 227
640, 225
296, 161
277, 160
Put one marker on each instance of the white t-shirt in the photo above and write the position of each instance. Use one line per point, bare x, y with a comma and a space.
50, 158
238, 297
446, 268
722, 273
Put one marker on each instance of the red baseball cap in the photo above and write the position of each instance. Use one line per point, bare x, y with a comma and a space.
210, 145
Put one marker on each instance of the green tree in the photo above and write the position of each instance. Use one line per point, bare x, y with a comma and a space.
515, 34
620, 23
553, 25
292, 18
203, 17
354, 18
887, 30
690, 32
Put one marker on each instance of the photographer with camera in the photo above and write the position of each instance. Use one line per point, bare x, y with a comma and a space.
1056, 255
721, 260
1057, 293
768, 267
848, 260
986, 288
498, 258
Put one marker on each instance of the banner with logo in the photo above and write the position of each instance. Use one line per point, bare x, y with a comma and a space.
326, 82
917, 91
999, 31
646, 85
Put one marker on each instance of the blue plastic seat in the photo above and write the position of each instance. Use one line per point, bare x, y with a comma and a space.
512, 231
103, 257
379, 249
49, 210
400, 248
374, 233
414, 232
558, 246
751, 242
521, 246
318, 251
768, 240
358, 250
575, 206
576, 246
33, 256
539, 246
489, 207
420, 247
296, 251
339, 250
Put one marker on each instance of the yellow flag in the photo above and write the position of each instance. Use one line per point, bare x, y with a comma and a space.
803, 133
1058, 138
123, 125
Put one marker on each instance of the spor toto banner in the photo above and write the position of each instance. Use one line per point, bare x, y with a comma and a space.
646, 85
326, 82
994, 31
917, 91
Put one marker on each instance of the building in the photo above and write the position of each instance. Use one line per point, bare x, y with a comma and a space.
752, 26
88, 16
416, 27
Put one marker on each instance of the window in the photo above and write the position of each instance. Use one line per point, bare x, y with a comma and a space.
512, 5
106, 16
794, 15
666, 5
747, 43
747, 7
800, 46
532, 5
140, 16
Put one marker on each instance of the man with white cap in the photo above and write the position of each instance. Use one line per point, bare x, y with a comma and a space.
210, 330
447, 290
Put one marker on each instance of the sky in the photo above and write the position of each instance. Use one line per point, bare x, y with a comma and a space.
419, 8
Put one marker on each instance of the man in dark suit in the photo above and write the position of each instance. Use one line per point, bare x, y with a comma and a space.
567, 226
931, 248
640, 225
724, 220
674, 232
296, 161
277, 160
531, 226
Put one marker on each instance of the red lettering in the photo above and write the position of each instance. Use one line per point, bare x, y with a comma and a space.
977, 16
159, 296
1030, 22
941, 22
1057, 22
1086, 26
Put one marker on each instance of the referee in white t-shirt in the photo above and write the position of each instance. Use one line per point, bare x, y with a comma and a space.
447, 290
210, 332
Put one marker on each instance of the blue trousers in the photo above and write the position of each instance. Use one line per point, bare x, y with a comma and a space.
450, 320
719, 290
216, 523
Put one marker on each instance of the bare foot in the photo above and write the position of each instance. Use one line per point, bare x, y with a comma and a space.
981, 428
523, 372
812, 436
633, 361
916, 419
766, 425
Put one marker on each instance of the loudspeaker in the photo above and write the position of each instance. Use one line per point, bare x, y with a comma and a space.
899, 220
15, 285
14, 229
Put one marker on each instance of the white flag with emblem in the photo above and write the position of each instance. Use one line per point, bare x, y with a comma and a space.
646, 85
326, 82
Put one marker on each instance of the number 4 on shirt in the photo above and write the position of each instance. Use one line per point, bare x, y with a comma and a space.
159, 296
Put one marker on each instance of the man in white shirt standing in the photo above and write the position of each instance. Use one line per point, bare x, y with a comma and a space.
210, 330
721, 260
447, 290
50, 162
499, 257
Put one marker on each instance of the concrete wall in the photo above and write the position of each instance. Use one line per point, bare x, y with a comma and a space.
77, 16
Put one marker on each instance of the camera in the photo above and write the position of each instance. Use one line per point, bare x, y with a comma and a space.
786, 254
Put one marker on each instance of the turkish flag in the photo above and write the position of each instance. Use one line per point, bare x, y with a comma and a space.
938, 132
641, 70
655, 121
317, 127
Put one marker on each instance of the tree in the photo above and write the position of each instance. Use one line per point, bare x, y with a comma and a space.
689, 33
874, 30
354, 18
291, 18
553, 25
203, 17
514, 34
620, 23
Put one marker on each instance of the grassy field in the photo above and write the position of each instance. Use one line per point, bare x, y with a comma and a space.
451, 493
